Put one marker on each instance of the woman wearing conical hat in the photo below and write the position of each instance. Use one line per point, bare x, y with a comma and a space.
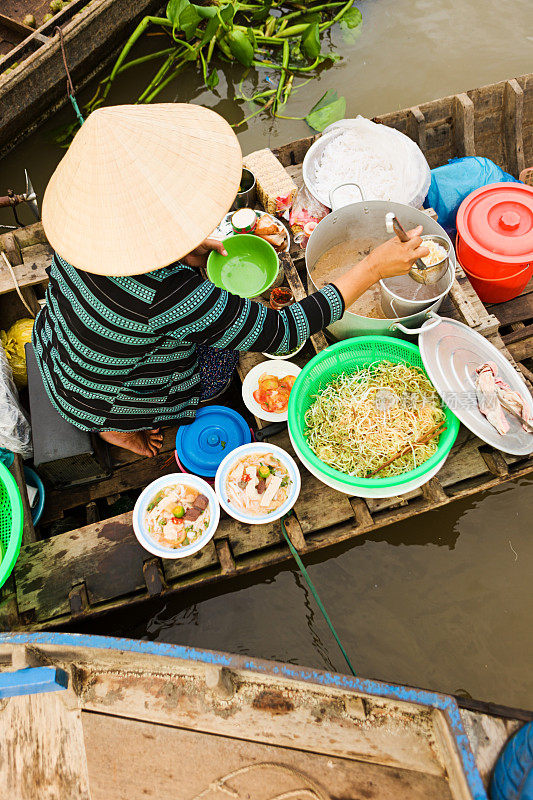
132, 336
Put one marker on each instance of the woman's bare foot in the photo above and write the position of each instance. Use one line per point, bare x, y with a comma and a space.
144, 443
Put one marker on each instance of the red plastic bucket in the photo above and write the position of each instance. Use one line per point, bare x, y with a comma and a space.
495, 239
499, 290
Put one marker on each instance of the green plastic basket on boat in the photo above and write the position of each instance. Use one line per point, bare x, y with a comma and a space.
349, 356
11, 519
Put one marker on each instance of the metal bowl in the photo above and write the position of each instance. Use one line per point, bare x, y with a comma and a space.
433, 274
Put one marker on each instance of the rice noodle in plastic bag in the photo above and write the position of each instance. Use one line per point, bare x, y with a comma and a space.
385, 163
15, 430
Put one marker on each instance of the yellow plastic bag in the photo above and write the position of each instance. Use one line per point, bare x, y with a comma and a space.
13, 343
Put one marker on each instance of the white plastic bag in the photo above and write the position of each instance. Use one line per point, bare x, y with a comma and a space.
386, 163
15, 430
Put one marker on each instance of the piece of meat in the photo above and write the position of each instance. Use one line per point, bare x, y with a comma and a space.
242, 485
192, 514
513, 399
201, 502
261, 486
487, 397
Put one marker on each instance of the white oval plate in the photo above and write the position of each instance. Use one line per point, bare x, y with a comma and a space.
240, 452
143, 501
251, 382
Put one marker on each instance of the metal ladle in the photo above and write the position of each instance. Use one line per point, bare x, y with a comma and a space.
420, 272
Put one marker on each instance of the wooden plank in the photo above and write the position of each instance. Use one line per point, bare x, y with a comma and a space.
37, 259
43, 750
204, 559
487, 736
132, 476
105, 556
253, 765
417, 127
518, 310
512, 123
520, 335
463, 119
224, 554
520, 350
17, 470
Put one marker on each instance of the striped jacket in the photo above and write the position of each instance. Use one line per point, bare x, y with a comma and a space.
119, 353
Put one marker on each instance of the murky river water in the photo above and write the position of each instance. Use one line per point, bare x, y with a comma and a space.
442, 601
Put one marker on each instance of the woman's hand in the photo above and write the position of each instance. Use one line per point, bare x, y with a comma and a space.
396, 258
389, 259
198, 256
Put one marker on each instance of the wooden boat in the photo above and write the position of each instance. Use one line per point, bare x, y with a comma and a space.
32, 74
95, 563
93, 717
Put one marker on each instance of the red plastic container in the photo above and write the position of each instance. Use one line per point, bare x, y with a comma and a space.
498, 290
495, 239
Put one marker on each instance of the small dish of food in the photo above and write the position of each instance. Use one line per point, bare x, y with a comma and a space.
267, 388
267, 227
257, 483
176, 515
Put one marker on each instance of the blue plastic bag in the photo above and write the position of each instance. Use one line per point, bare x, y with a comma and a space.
454, 181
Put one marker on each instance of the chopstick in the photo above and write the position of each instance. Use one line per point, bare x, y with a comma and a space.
436, 431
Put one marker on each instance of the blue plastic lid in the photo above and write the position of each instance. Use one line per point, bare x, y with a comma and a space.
215, 432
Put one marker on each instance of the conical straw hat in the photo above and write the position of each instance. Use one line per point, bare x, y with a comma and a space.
141, 186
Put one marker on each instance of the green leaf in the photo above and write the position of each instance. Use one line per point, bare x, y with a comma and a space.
174, 9
240, 47
212, 79
330, 108
311, 41
227, 13
312, 16
352, 18
210, 30
206, 12
188, 21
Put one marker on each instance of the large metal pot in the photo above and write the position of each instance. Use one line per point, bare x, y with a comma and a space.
366, 220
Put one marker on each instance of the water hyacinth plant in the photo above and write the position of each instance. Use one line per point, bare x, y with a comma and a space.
282, 37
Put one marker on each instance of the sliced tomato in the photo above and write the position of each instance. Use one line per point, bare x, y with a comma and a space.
276, 400
287, 382
267, 382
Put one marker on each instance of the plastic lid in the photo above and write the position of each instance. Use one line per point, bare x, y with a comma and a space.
497, 222
215, 432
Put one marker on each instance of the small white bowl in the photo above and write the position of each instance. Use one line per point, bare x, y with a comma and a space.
287, 356
236, 455
176, 478
278, 368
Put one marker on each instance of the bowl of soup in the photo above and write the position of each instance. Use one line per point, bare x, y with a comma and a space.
176, 515
257, 483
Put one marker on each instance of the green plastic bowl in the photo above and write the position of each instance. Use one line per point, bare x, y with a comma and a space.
10, 523
348, 356
249, 269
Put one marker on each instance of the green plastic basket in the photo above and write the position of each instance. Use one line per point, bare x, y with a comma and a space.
347, 356
11, 519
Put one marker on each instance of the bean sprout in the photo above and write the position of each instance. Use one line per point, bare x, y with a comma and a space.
360, 420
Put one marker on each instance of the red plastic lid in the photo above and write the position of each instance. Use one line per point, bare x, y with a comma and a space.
496, 221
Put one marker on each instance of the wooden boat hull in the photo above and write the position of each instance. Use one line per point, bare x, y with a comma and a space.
34, 87
100, 567
144, 720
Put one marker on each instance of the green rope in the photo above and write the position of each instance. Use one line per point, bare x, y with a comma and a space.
314, 592
76, 109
